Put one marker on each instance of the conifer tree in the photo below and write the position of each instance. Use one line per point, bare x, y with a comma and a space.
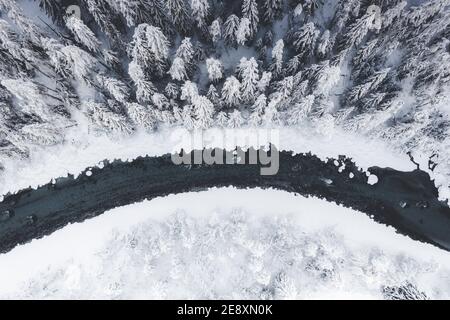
215, 30
243, 32
231, 94
235, 119
177, 70
82, 33
231, 28
250, 11
272, 9
150, 48
277, 58
215, 69
105, 18
179, 14
305, 39
222, 119
200, 12
249, 73
258, 108
213, 95
204, 111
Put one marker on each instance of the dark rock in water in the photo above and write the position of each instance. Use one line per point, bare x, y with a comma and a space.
31, 219
391, 201
5, 215
403, 204
404, 292
422, 204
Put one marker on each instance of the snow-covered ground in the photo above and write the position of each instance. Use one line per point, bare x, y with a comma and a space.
84, 150
225, 243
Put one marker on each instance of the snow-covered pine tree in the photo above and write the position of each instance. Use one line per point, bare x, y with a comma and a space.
143, 12
300, 110
271, 114
393, 13
150, 49
31, 98
141, 116
359, 91
186, 51
160, 101
249, 74
345, 10
285, 87
363, 56
243, 32
277, 59
258, 109
359, 29
144, 87
272, 9
321, 108
164, 116
231, 93
111, 59
53, 9
82, 33
172, 90
293, 65
305, 40
15, 57
204, 111
24, 24
43, 134
188, 117
71, 61
105, 18
189, 91
213, 95
116, 88
200, 12
215, 30
231, 28
310, 6
215, 69
235, 119
222, 119
199, 53
264, 82
324, 45
250, 11
178, 12
325, 77
268, 38
105, 119
178, 71
261, 49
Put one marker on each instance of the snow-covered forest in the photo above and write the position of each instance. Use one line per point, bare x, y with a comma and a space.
82, 81
374, 68
249, 247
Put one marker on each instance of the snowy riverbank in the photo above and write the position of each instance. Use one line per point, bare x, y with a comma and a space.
177, 246
83, 151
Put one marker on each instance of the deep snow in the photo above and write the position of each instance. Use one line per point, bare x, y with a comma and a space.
83, 150
224, 243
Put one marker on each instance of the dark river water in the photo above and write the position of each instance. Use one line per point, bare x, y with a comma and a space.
407, 201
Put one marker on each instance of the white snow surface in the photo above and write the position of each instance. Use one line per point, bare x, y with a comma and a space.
81, 151
224, 243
